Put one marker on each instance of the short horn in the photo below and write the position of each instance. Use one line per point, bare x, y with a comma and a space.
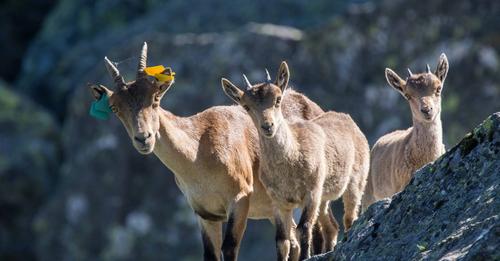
409, 73
268, 77
142, 60
113, 72
428, 68
249, 85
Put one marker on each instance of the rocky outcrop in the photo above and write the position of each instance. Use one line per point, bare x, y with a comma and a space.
449, 211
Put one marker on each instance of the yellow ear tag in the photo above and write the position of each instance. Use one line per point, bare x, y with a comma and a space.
151, 71
161, 73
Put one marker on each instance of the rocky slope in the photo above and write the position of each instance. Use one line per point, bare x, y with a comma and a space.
449, 211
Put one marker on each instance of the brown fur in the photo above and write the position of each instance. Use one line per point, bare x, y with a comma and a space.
305, 163
214, 154
397, 155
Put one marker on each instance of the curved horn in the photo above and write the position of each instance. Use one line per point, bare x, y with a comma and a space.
409, 73
268, 77
249, 85
428, 68
142, 60
113, 72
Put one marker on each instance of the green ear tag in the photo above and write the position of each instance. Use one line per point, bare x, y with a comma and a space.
100, 109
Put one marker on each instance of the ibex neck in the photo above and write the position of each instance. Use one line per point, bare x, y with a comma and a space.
283, 145
177, 141
427, 139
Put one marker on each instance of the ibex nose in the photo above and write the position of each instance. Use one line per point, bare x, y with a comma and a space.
267, 126
142, 137
426, 110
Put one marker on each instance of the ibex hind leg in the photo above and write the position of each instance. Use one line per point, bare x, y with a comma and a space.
352, 199
318, 241
329, 225
368, 196
307, 222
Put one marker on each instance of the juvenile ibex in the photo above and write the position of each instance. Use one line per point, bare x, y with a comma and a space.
397, 155
214, 154
306, 163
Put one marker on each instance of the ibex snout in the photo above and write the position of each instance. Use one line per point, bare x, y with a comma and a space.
144, 142
142, 137
267, 128
426, 110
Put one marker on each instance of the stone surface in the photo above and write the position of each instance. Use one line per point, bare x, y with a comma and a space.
449, 211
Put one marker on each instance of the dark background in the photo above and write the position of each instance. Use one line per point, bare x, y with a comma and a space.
73, 188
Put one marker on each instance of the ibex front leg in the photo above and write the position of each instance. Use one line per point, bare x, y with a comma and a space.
235, 228
285, 235
211, 234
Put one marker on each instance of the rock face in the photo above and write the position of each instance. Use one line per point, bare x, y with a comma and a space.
449, 211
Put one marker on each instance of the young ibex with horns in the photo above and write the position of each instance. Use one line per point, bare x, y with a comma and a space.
397, 155
214, 154
306, 163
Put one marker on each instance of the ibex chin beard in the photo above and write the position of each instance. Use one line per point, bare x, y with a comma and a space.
144, 149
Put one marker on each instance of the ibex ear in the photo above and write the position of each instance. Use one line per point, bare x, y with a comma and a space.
99, 90
283, 76
395, 81
442, 68
231, 90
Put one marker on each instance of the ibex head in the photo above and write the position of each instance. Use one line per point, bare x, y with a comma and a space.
423, 90
135, 103
263, 100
